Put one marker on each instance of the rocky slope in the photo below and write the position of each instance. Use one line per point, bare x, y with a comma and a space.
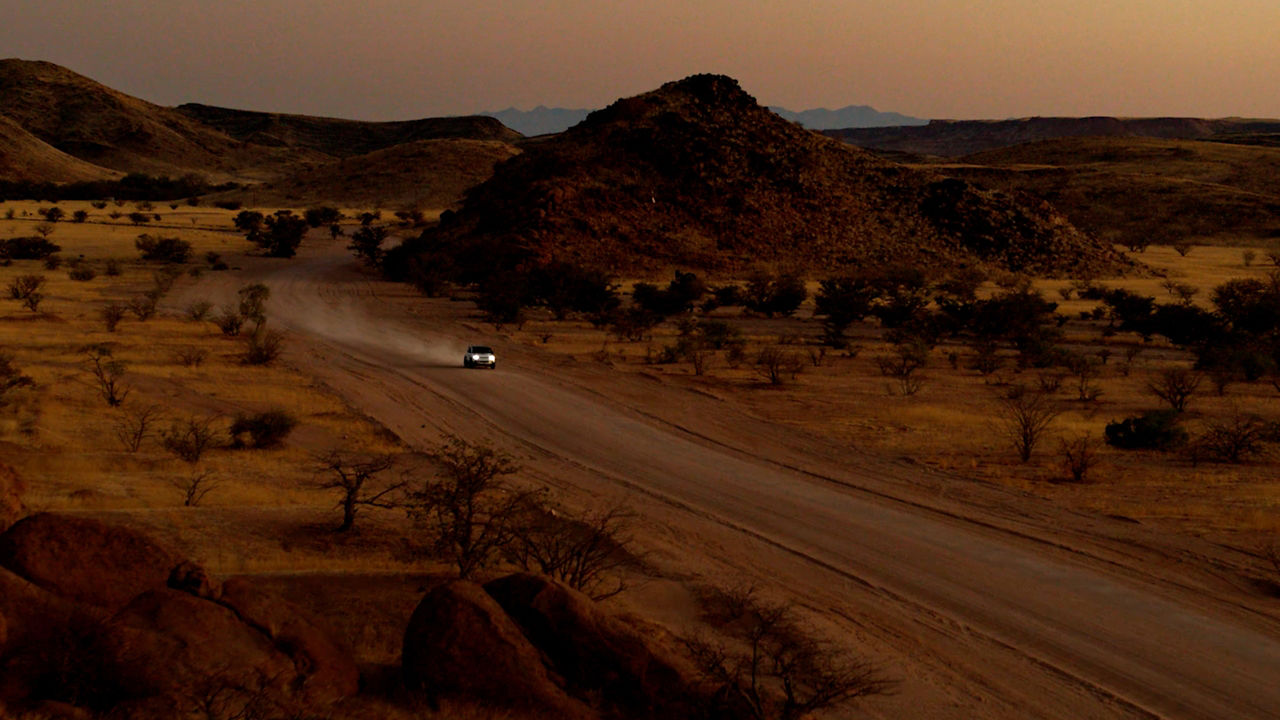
953, 138
1129, 189
698, 174
104, 127
341, 138
58, 126
422, 174
26, 158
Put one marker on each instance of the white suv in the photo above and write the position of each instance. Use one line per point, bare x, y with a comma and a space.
480, 356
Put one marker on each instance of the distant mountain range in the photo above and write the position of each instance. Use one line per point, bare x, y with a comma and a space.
543, 120
850, 116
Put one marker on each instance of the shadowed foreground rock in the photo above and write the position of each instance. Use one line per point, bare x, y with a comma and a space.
595, 653
326, 669
525, 641
11, 490
460, 643
86, 560
101, 616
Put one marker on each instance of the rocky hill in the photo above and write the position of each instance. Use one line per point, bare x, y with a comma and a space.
954, 138
104, 127
341, 138
1143, 188
698, 174
26, 158
58, 126
422, 174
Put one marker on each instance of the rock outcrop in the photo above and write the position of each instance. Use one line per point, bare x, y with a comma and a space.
596, 654
102, 614
86, 560
527, 641
460, 643
698, 174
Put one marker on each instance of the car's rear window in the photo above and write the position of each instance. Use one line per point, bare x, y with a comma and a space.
481, 349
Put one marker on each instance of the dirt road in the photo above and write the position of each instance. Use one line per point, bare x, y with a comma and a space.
975, 619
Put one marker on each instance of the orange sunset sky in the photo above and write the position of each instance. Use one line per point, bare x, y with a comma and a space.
396, 59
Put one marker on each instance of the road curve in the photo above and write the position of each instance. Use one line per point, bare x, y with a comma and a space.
1139, 648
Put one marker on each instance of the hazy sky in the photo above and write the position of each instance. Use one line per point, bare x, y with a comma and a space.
397, 59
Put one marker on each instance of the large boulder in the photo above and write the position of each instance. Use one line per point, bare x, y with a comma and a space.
11, 490
45, 636
167, 643
325, 669
595, 653
86, 560
460, 643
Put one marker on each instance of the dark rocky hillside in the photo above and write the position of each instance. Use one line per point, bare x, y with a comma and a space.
953, 138
341, 138
698, 174
58, 126
421, 174
1133, 189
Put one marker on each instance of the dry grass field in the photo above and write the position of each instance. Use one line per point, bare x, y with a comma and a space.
954, 422
63, 434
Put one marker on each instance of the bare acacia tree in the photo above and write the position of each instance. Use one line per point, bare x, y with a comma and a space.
582, 552
107, 372
1233, 439
136, 425
1079, 456
1025, 417
776, 365
777, 668
468, 509
356, 480
195, 486
1175, 386
190, 438
902, 364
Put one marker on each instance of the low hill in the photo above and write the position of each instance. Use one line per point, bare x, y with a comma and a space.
53, 114
94, 123
1160, 190
423, 174
340, 138
698, 174
955, 138
26, 158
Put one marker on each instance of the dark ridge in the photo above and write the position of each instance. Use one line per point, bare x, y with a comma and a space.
341, 138
953, 138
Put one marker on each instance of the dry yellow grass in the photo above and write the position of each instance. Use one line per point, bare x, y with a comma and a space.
62, 436
953, 422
